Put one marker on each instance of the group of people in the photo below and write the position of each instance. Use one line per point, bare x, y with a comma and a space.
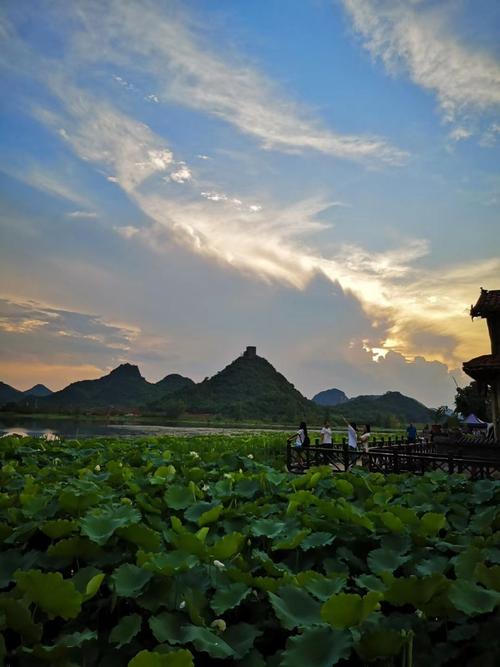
302, 439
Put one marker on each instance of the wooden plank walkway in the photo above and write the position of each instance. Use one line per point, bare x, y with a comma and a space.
396, 456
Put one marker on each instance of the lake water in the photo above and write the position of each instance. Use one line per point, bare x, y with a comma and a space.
68, 428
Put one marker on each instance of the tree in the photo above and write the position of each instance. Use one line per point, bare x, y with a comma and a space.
472, 399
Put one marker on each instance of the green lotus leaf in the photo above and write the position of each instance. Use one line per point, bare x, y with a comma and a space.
58, 528
178, 497
466, 561
18, 618
99, 526
83, 576
167, 627
247, 488
345, 610
210, 516
344, 487
433, 565
168, 563
321, 646
463, 632
181, 658
125, 630
227, 547
207, 641
241, 638
408, 517
74, 547
76, 639
53, 594
316, 540
320, 586
76, 501
417, 591
392, 522
228, 597
488, 576
190, 544
9, 563
195, 510
267, 528
484, 519
142, 536
484, 490
380, 644
129, 579
370, 582
472, 599
384, 560
292, 541
294, 607
431, 523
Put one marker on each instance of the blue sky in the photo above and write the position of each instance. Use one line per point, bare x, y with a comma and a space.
318, 178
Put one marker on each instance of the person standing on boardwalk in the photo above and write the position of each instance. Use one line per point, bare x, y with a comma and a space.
326, 435
301, 436
365, 437
352, 434
411, 433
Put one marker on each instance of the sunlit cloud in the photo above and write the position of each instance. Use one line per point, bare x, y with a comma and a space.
82, 214
417, 37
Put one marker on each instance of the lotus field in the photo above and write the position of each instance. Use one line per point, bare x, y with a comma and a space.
204, 551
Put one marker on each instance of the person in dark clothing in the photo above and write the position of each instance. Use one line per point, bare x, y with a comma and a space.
411, 434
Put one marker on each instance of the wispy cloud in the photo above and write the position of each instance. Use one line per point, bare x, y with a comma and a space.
192, 73
416, 37
43, 179
82, 214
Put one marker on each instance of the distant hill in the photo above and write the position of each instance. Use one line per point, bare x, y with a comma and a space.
8, 394
174, 382
38, 390
124, 387
380, 409
249, 388
330, 397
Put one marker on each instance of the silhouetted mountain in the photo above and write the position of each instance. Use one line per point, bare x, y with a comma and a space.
379, 409
249, 388
38, 390
330, 397
123, 387
174, 382
8, 394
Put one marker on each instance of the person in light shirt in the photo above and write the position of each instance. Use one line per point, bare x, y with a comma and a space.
352, 434
326, 435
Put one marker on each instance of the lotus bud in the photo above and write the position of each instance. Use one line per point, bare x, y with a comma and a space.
182, 605
97, 468
250, 456
219, 624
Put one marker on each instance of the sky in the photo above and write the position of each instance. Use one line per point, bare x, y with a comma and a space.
319, 178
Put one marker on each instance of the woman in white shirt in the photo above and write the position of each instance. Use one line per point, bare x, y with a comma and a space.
366, 437
301, 436
352, 434
326, 435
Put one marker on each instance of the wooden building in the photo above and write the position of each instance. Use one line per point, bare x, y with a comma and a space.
486, 368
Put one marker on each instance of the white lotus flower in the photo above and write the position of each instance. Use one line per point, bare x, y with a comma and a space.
218, 564
250, 456
182, 605
97, 468
195, 455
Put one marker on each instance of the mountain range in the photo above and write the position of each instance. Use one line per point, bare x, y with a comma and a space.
249, 388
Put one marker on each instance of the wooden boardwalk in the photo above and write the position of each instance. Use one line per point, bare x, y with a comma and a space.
396, 456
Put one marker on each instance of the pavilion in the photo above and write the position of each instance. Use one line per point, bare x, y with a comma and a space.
486, 368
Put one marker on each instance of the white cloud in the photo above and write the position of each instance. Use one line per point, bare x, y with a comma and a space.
127, 231
182, 174
419, 38
43, 179
460, 133
191, 73
82, 214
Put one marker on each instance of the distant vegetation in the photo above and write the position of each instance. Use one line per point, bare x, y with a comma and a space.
248, 389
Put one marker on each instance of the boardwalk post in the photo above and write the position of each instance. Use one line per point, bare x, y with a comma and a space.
395, 461
288, 455
450, 464
345, 447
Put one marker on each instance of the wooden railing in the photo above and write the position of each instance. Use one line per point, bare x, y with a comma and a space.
396, 456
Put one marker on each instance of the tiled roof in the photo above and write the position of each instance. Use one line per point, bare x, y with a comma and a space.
488, 302
483, 368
